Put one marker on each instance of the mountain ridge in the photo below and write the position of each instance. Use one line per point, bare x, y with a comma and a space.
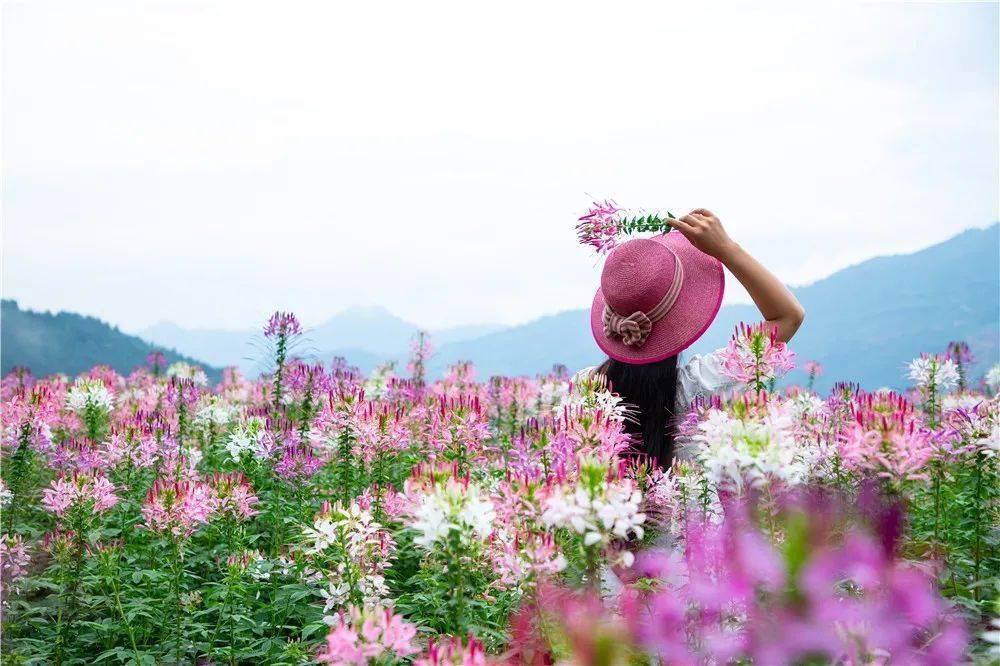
50, 342
863, 323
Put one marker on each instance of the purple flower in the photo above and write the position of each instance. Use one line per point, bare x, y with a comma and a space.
282, 324
297, 463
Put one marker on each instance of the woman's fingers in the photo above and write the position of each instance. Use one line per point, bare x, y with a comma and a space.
703, 211
681, 225
695, 220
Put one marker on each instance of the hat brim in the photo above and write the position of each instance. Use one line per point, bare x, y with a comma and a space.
692, 314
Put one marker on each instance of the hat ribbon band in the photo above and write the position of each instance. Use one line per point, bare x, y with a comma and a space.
635, 328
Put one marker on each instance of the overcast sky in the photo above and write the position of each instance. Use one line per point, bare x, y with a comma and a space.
207, 162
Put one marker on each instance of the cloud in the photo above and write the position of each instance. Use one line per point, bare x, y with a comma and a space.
210, 162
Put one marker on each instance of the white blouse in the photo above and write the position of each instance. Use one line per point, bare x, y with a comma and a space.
701, 375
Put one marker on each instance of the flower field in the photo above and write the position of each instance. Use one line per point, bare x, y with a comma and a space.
315, 515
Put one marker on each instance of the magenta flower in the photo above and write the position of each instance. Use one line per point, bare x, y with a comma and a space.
282, 324
850, 602
132, 447
297, 463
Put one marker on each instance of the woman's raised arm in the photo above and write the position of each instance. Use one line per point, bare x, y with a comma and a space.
779, 307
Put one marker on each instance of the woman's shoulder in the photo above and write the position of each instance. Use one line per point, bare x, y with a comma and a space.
703, 375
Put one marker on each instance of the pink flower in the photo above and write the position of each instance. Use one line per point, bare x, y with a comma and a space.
178, 506
453, 652
133, 447
812, 368
233, 495
755, 356
14, 559
79, 490
598, 227
282, 324
886, 437
372, 633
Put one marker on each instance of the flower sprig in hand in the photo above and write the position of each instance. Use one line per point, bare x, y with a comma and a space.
605, 222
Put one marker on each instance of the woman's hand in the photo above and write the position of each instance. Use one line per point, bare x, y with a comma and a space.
780, 308
705, 232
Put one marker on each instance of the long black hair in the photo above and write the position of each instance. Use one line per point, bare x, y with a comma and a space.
652, 390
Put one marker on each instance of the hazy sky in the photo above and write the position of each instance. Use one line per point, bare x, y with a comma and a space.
207, 162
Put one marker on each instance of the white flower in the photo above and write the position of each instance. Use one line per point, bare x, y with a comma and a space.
251, 436
590, 392
452, 506
732, 449
993, 379
89, 393
214, 411
964, 401
379, 379
552, 394
928, 370
260, 568
608, 512
807, 406
5, 494
183, 370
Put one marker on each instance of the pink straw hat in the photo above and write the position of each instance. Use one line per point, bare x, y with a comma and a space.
657, 296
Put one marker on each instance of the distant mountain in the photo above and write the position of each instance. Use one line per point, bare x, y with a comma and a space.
361, 333
863, 323
65, 342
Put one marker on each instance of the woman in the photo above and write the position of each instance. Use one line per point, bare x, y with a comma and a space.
657, 297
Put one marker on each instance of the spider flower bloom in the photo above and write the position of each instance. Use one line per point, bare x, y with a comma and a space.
233, 496
452, 651
886, 437
178, 507
90, 394
755, 356
598, 226
812, 368
605, 221
755, 444
354, 550
93, 492
136, 448
599, 508
297, 463
455, 505
934, 371
374, 633
992, 379
282, 325
14, 560
380, 429
182, 370
960, 353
